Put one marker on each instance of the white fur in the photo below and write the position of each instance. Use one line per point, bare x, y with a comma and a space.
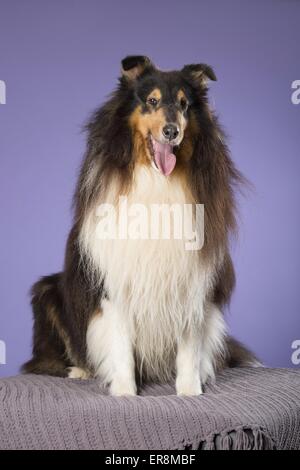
157, 299
188, 364
110, 349
213, 334
77, 373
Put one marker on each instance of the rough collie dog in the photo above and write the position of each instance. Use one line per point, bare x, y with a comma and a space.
129, 309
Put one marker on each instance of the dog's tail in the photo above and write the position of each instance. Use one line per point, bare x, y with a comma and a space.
237, 355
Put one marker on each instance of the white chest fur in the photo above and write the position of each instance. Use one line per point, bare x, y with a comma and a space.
158, 285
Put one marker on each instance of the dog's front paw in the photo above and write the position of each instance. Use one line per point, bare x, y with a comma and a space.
188, 386
119, 388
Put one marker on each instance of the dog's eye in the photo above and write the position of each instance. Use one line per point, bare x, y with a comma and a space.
153, 101
183, 104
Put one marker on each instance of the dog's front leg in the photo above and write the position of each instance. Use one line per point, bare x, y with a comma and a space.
188, 364
123, 375
111, 351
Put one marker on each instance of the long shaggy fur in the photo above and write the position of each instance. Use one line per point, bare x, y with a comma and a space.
165, 300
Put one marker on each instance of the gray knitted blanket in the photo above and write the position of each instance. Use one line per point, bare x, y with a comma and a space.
245, 409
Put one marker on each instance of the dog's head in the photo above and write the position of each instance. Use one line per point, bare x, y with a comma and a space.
162, 105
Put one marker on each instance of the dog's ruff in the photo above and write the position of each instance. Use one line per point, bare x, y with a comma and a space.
157, 291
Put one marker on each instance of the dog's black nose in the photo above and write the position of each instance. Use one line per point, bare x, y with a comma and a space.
170, 131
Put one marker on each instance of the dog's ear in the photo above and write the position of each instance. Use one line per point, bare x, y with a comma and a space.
200, 73
134, 65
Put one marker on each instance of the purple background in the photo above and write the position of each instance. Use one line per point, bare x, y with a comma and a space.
60, 59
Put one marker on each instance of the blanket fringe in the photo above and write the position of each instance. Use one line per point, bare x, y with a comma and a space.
239, 439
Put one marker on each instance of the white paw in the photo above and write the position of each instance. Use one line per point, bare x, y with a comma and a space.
78, 373
119, 388
188, 386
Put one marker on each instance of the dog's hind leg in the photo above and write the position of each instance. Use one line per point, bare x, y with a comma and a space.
50, 350
51, 366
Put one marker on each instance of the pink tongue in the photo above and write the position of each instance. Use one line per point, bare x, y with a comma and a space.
164, 158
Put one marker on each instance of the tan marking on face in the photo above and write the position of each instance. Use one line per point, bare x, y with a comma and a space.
142, 125
154, 122
146, 123
181, 95
156, 93
140, 148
